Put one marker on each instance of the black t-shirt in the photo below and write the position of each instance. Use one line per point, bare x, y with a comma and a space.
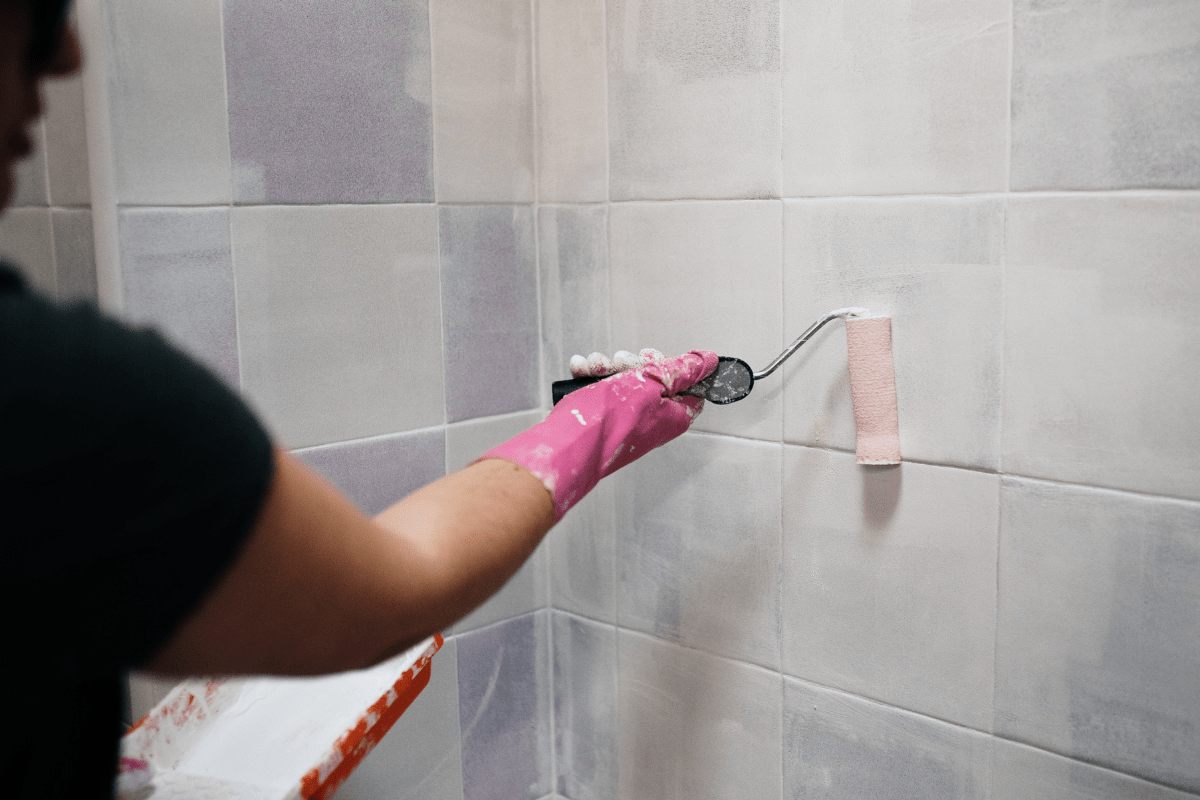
129, 476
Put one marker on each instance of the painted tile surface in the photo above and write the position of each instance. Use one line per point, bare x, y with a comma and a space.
349, 121
483, 106
66, 143
167, 109
30, 173
585, 708
698, 526
1105, 94
889, 582
489, 310
571, 90
582, 553
1111, 282
338, 318
1098, 645
934, 266
25, 243
703, 275
419, 759
376, 473
693, 99
843, 747
694, 725
177, 276
1020, 772
895, 97
504, 710
573, 272
74, 254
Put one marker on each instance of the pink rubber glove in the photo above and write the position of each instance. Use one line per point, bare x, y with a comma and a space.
596, 430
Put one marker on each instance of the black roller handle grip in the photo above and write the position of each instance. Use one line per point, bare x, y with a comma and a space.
560, 389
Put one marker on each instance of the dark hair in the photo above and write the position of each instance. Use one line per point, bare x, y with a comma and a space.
48, 18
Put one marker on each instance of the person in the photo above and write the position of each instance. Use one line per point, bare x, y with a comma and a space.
150, 522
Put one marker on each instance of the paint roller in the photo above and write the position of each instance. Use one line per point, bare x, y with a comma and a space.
872, 381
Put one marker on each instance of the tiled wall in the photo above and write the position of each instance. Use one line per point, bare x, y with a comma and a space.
391, 222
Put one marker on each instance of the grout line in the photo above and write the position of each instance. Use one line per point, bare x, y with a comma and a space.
1012, 35
1186, 791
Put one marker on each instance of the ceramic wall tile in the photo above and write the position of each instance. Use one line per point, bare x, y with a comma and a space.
694, 725
889, 582
177, 276
844, 747
489, 310
350, 121
698, 530
483, 106
582, 552
526, 590
420, 757
1098, 645
573, 272
26, 243
167, 109
693, 99
74, 254
1104, 94
895, 97
585, 708
30, 187
703, 275
504, 708
376, 473
1110, 282
571, 103
934, 266
338, 317
1020, 772
66, 143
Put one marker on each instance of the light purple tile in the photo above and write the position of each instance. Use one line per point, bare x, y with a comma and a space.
74, 254
582, 556
489, 310
329, 102
1021, 773
698, 543
1098, 642
1105, 94
585, 708
377, 472
503, 710
573, 270
177, 276
842, 747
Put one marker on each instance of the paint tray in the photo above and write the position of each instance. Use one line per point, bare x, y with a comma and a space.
268, 738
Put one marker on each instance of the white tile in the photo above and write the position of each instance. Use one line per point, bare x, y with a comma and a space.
1020, 772
840, 746
420, 757
26, 243
66, 143
895, 96
1105, 94
482, 100
889, 582
582, 553
585, 707
1101, 341
30, 173
703, 275
571, 98
74, 254
573, 278
698, 530
1098, 643
166, 92
694, 725
934, 266
338, 319
693, 99
524, 592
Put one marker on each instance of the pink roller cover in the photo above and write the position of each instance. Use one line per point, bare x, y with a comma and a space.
873, 389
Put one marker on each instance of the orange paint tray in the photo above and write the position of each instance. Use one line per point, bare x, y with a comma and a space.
268, 738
